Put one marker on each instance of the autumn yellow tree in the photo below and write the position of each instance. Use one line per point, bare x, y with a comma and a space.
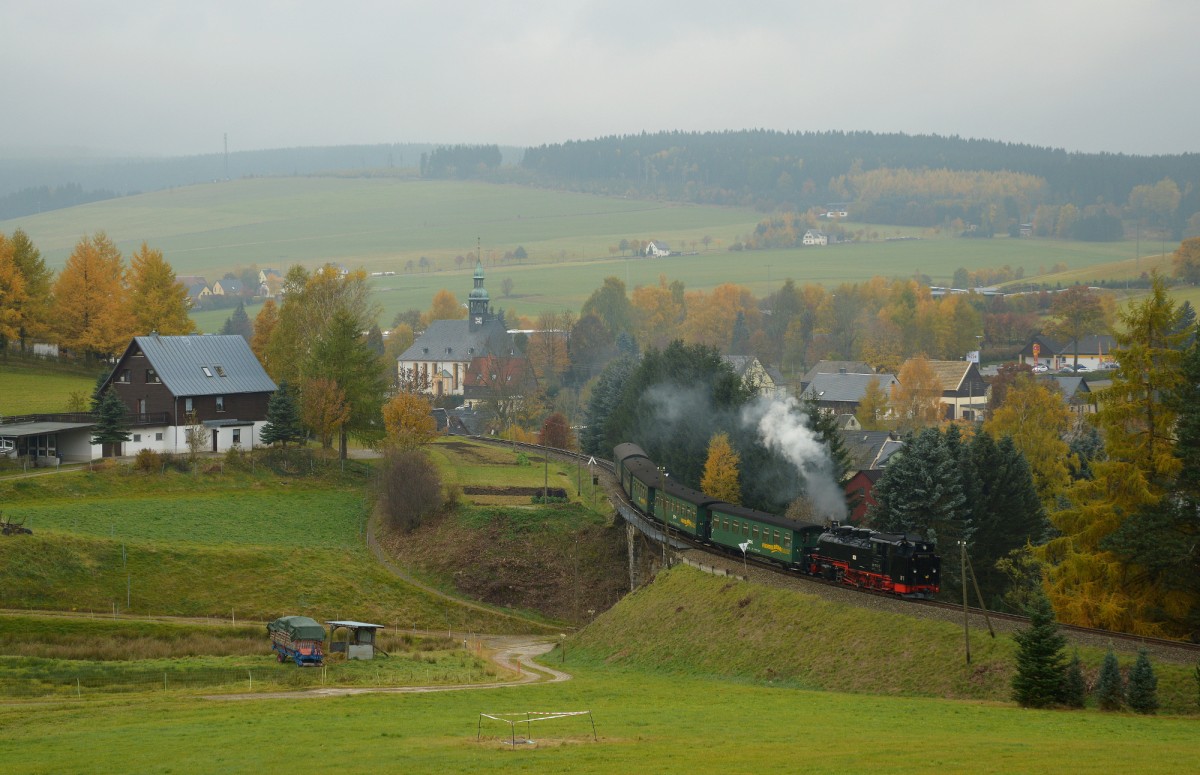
711, 317
408, 421
12, 295
34, 313
323, 408
310, 302
445, 306
657, 312
399, 339
158, 300
264, 325
1187, 260
720, 478
1086, 580
916, 401
547, 349
91, 295
1036, 418
873, 407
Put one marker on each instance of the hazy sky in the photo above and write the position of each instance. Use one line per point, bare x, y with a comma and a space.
152, 77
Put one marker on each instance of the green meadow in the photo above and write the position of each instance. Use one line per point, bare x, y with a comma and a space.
244, 544
645, 722
28, 388
572, 240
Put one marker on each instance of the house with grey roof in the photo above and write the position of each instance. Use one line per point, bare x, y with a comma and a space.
835, 367
842, 393
436, 363
210, 384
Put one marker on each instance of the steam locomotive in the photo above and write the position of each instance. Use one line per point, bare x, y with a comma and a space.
904, 565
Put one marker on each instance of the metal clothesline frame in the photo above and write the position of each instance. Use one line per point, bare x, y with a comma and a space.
527, 718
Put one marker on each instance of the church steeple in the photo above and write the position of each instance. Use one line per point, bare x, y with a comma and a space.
477, 303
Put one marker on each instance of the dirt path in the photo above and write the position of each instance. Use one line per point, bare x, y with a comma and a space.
511, 653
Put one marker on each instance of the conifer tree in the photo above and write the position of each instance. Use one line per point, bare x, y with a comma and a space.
1006, 514
33, 314
283, 418
1089, 581
111, 427
1039, 681
157, 300
1074, 687
1110, 688
92, 314
238, 323
1142, 694
720, 478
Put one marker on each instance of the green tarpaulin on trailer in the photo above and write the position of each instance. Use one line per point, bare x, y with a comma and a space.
298, 628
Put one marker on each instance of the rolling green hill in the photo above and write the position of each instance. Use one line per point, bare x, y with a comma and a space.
572, 239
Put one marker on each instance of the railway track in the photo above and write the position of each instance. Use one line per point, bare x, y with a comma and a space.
1086, 633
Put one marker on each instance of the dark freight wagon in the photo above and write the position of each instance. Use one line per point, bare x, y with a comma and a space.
299, 639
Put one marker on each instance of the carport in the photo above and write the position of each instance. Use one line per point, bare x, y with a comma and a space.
48, 441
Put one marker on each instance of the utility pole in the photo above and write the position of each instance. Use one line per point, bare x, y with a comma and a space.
962, 545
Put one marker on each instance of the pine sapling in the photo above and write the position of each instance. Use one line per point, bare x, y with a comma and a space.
1074, 687
1142, 694
1110, 689
1038, 682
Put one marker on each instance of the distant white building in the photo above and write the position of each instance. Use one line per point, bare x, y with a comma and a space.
656, 249
814, 237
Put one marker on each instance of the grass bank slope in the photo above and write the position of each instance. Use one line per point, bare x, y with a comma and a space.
688, 622
246, 544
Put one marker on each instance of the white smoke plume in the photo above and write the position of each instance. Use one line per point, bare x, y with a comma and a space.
781, 426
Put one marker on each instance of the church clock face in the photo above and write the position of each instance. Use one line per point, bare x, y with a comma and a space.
479, 320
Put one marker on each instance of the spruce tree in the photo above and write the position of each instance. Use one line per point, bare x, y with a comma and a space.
283, 418
1142, 694
239, 323
1039, 681
111, 427
1074, 687
1110, 688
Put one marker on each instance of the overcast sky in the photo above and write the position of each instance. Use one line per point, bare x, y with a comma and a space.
158, 77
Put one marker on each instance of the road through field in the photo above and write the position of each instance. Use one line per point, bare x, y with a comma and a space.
511, 653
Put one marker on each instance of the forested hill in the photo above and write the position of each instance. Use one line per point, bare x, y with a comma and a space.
802, 170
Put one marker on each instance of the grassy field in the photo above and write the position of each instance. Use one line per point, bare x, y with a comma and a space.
28, 389
250, 545
646, 722
381, 224
44, 656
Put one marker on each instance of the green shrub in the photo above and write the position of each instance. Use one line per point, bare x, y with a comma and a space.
148, 461
522, 459
236, 459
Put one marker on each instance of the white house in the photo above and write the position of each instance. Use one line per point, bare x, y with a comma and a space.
656, 249
814, 237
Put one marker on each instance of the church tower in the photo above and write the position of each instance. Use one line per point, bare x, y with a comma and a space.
477, 304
